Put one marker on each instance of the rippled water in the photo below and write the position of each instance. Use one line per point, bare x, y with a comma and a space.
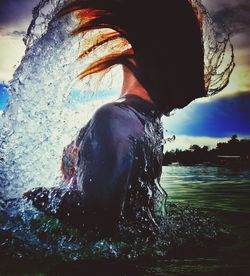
225, 193
219, 188
206, 231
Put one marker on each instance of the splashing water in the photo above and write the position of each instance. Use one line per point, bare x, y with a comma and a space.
218, 51
28, 234
41, 118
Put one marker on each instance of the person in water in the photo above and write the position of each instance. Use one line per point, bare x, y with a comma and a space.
114, 165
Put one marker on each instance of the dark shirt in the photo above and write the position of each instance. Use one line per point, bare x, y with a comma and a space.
119, 167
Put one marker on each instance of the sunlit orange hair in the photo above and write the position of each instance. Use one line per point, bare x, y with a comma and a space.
163, 38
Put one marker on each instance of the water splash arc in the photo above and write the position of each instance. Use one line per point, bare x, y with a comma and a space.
39, 119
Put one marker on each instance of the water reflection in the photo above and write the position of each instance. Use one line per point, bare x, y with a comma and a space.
220, 188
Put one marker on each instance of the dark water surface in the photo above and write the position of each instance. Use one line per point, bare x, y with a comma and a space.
208, 233
225, 193
219, 188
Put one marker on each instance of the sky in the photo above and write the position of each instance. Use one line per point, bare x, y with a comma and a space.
205, 121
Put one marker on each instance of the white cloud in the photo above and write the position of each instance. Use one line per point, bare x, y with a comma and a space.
13, 25
11, 51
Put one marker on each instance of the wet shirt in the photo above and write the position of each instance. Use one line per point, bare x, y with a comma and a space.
120, 159
118, 169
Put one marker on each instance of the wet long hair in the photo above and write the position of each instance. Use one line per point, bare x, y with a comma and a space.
164, 38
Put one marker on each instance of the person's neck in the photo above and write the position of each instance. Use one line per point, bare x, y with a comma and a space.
131, 86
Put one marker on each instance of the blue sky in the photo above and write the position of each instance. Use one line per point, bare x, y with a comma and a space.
220, 117
3, 96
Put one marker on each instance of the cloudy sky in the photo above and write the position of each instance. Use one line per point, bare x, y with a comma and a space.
202, 122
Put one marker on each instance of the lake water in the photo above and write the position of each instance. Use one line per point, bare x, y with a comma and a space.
225, 194
219, 188
32, 242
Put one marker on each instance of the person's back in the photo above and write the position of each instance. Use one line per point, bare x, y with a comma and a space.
120, 152
119, 168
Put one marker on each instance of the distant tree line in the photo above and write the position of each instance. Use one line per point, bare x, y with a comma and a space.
234, 150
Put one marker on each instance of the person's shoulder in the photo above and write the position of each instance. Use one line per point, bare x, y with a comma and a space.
114, 111
116, 118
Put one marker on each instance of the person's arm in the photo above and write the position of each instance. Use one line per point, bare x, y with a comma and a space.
68, 164
70, 157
